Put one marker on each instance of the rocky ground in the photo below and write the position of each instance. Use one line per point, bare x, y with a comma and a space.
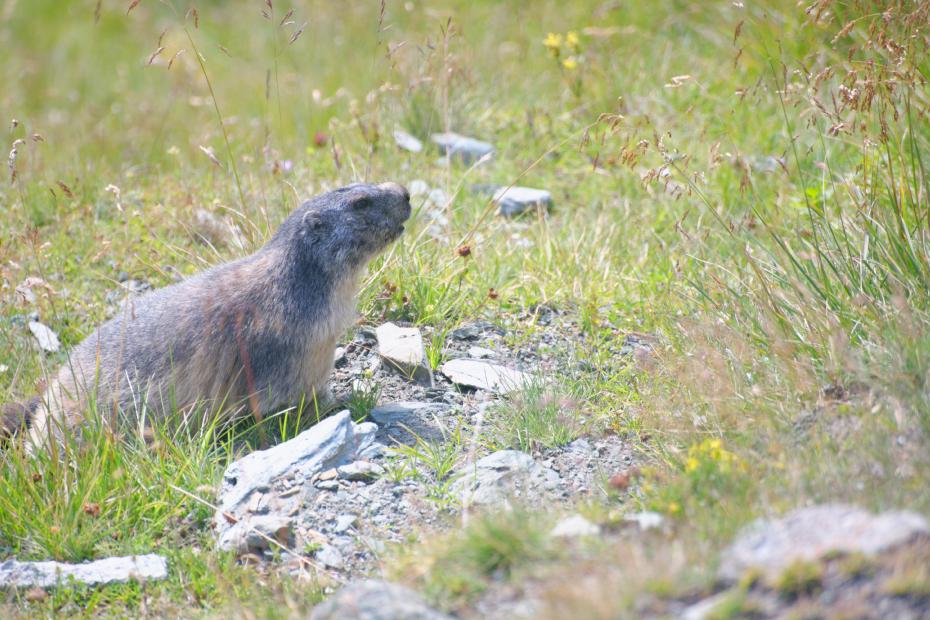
813, 563
416, 449
348, 519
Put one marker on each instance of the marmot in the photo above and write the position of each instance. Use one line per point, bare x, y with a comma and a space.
253, 335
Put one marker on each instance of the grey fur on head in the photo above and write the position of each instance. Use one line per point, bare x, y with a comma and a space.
251, 335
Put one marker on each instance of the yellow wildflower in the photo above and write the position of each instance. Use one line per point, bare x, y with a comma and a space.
673, 508
692, 463
572, 40
553, 42
570, 63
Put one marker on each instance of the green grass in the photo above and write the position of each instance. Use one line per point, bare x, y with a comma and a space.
454, 568
748, 183
431, 462
537, 416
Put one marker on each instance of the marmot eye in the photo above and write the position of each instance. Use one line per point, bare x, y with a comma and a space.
361, 203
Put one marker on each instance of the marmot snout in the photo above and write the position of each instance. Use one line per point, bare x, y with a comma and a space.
251, 335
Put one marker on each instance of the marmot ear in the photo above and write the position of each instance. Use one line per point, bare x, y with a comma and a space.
361, 202
311, 220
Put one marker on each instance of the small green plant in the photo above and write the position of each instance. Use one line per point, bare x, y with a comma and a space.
910, 581
492, 546
363, 398
432, 462
799, 578
434, 349
735, 604
538, 416
855, 565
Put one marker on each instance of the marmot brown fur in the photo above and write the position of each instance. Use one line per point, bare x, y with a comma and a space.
251, 335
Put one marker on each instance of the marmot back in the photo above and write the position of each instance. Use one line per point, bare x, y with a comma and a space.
250, 335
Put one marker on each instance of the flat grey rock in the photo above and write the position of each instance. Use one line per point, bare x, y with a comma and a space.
330, 557
407, 141
575, 526
512, 201
646, 520
484, 375
344, 522
393, 413
47, 339
333, 442
808, 534
14, 574
263, 532
481, 353
472, 331
360, 470
373, 599
402, 348
457, 146
503, 475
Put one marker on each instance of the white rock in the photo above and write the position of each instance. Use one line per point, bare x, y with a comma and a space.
808, 534
47, 339
110, 570
392, 413
485, 375
575, 526
407, 141
373, 599
344, 522
330, 556
512, 201
501, 475
262, 528
646, 520
360, 470
462, 147
333, 442
480, 353
402, 348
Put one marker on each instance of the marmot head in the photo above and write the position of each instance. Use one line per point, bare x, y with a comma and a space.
345, 228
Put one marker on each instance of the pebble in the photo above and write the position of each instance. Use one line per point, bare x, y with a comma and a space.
360, 471
330, 556
485, 375
575, 526
513, 201
402, 348
809, 533
457, 146
47, 339
481, 353
373, 599
344, 522
393, 413
407, 141
15, 574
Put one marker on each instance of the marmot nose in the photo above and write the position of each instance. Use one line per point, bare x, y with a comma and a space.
396, 188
